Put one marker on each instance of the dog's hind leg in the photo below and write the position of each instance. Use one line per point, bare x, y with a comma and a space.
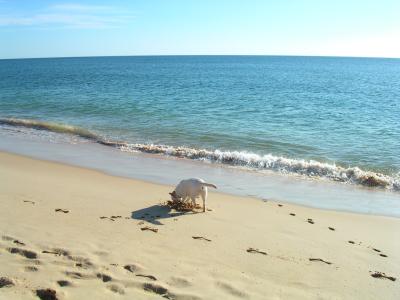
204, 197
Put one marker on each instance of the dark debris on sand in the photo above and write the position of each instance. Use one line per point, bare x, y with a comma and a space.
201, 238
382, 275
155, 230
182, 206
19, 243
28, 201
147, 276
253, 250
321, 260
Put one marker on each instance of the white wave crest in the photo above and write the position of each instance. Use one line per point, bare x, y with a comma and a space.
309, 168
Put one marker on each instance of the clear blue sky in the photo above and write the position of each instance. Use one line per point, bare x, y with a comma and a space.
37, 28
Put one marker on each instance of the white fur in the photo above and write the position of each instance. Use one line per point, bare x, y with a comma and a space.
191, 188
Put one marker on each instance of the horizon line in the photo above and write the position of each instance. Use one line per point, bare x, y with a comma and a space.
170, 55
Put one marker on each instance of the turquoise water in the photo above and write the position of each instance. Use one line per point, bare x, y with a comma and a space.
336, 118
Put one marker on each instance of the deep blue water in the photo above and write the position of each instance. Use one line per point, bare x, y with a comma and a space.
340, 111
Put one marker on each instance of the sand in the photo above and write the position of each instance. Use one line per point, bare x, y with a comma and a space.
88, 235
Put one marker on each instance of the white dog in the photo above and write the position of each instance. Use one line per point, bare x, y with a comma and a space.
191, 188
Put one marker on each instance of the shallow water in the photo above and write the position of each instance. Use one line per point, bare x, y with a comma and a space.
167, 170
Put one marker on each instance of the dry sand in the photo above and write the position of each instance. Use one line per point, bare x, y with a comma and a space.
247, 248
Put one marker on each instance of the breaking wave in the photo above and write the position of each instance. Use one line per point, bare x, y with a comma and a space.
53, 127
309, 168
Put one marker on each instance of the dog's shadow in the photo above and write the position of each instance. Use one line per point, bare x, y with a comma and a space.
154, 213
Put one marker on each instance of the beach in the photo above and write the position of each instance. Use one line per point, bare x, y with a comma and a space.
280, 117
86, 234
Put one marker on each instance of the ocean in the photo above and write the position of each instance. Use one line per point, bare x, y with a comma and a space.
309, 118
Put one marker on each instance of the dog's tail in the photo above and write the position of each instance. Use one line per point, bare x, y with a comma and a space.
209, 184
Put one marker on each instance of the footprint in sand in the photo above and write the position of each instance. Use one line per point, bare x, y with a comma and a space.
292, 214
65, 211
116, 289
104, 277
81, 262
383, 255
133, 268
46, 294
64, 283
78, 275
165, 293
331, 228
157, 289
35, 262
101, 253
179, 282
26, 253
232, 290
31, 269
6, 282
57, 252
351, 242
311, 221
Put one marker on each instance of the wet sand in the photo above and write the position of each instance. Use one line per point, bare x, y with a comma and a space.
73, 233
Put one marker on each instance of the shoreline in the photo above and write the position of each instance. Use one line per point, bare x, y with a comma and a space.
242, 248
322, 194
214, 191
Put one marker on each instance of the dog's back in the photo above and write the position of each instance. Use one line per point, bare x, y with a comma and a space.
190, 187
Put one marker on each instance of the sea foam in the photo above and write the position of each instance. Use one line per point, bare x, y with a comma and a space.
308, 168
